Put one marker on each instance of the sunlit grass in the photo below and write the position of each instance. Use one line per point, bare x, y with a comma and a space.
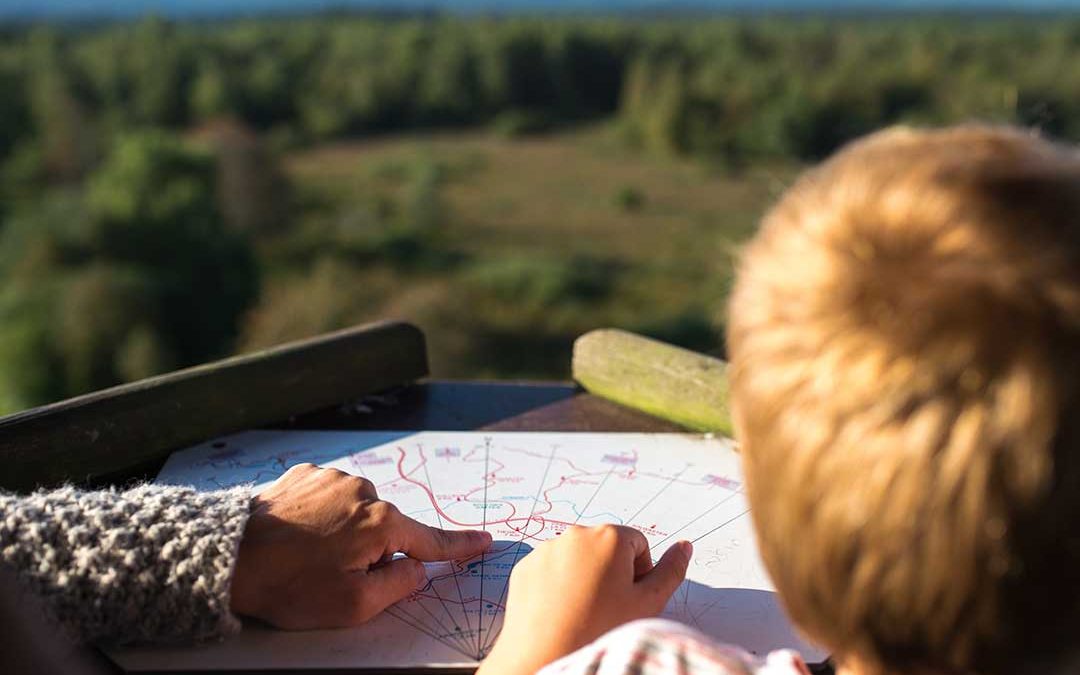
518, 219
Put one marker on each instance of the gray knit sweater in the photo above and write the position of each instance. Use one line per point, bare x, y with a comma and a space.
153, 563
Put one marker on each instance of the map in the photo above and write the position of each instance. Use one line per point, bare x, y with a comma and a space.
524, 488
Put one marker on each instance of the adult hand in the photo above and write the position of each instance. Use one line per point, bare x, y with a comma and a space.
316, 552
573, 589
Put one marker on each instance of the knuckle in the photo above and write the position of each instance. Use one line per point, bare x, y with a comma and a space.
607, 538
608, 534
336, 474
301, 469
380, 513
607, 530
575, 532
363, 486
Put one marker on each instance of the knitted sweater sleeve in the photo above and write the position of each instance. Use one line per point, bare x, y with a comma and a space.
152, 563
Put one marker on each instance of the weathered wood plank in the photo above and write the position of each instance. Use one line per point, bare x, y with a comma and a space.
107, 431
668, 382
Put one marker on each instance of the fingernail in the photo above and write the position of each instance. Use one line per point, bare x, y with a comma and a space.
421, 575
686, 548
483, 535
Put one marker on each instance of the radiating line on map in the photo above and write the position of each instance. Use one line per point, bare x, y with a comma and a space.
707, 512
480, 626
657, 495
416, 621
598, 488
459, 648
524, 533
457, 628
726, 522
455, 635
395, 612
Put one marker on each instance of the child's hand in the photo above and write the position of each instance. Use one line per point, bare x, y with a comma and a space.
572, 590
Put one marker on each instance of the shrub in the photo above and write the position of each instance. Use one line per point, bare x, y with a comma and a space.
629, 198
538, 282
518, 123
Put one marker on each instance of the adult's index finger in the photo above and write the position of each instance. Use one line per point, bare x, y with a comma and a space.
432, 544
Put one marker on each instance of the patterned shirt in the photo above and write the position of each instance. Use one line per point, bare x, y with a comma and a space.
658, 646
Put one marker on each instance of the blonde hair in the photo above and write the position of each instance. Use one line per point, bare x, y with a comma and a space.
904, 336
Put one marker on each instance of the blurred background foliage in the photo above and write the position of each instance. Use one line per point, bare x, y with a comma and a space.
176, 192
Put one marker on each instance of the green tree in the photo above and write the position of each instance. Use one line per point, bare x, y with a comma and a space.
451, 91
161, 72
37, 250
102, 309
14, 112
154, 208
212, 92
518, 72
138, 276
60, 110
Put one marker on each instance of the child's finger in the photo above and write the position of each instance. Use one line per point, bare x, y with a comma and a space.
669, 572
643, 564
639, 548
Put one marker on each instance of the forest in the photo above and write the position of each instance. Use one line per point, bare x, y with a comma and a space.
174, 192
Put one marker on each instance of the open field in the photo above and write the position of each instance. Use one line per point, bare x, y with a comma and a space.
535, 240
556, 194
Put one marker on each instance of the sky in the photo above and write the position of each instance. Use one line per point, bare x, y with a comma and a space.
194, 8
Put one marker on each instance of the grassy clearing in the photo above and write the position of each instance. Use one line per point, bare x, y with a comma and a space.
505, 249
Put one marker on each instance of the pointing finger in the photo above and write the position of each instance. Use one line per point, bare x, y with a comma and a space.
670, 571
432, 544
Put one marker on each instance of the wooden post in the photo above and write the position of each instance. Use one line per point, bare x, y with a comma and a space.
106, 432
669, 382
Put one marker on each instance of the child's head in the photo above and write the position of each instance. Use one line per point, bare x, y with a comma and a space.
905, 345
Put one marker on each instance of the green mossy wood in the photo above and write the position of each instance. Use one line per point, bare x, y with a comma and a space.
669, 382
110, 432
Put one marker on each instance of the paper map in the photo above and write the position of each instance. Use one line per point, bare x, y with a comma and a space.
524, 488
